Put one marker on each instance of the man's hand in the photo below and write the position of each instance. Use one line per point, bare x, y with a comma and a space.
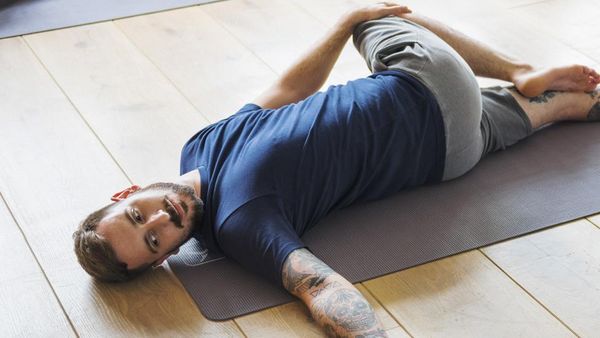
333, 301
376, 11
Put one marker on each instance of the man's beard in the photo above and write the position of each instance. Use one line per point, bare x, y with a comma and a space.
185, 190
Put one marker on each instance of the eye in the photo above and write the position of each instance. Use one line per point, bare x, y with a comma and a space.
153, 239
135, 214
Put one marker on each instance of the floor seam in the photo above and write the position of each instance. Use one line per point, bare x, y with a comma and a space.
77, 110
37, 261
385, 308
160, 71
527, 292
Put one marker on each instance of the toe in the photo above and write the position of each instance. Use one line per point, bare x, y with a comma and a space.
591, 73
587, 71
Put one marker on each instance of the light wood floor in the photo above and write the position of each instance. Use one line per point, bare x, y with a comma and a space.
87, 110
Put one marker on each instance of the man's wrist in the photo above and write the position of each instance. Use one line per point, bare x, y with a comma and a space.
349, 21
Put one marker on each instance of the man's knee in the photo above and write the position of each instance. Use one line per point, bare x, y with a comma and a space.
372, 37
374, 30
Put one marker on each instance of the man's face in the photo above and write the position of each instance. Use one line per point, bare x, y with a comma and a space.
151, 223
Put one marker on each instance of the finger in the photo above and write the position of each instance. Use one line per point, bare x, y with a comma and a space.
398, 10
394, 8
402, 8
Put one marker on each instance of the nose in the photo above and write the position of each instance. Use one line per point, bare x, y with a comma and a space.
157, 220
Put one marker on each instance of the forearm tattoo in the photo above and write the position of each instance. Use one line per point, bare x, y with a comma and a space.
350, 312
335, 304
303, 271
543, 98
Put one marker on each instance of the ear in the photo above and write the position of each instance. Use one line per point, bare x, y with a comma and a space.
159, 261
121, 195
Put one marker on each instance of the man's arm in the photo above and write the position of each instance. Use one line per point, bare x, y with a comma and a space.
309, 73
333, 301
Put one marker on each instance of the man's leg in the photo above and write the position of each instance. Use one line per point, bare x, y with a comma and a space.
484, 61
508, 116
394, 43
553, 106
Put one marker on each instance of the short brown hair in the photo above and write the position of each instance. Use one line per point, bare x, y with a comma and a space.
95, 254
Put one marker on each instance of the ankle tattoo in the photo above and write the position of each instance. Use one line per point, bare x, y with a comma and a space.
544, 98
594, 114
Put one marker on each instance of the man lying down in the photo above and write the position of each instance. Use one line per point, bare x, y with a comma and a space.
253, 183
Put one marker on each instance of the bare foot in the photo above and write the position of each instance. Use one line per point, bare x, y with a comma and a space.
576, 78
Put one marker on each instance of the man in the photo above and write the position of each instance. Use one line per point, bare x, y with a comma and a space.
253, 183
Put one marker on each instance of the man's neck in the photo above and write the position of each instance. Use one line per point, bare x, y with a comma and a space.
191, 179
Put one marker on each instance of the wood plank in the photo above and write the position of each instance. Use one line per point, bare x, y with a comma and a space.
269, 28
560, 267
327, 12
288, 320
23, 284
294, 320
132, 107
208, 64
350, 64
54, 171
387, 321
594, 219
533, 46
574, 22
397, 332
451, 12
462, 295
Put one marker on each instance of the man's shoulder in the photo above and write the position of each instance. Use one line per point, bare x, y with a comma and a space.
253, 209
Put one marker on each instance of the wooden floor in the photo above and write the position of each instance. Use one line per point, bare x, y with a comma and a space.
88, 110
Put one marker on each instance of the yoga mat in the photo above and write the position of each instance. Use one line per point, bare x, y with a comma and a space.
31, 16
546, 179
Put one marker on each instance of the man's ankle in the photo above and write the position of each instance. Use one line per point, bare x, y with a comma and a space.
520, 69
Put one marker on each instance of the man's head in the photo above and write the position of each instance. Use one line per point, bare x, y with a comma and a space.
123, 239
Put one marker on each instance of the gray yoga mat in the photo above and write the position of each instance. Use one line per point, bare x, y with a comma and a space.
18, 17
549, 178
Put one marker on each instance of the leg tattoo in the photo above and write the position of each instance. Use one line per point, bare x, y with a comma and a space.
544, 98
594, 114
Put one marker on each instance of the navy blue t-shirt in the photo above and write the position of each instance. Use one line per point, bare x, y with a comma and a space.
268, 175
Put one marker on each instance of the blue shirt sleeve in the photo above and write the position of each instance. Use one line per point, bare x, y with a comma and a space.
248, 108
259, 236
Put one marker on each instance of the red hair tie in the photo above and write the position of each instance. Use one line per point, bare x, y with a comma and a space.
121, 195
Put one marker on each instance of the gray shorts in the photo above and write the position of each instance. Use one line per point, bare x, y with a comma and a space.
476, 121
